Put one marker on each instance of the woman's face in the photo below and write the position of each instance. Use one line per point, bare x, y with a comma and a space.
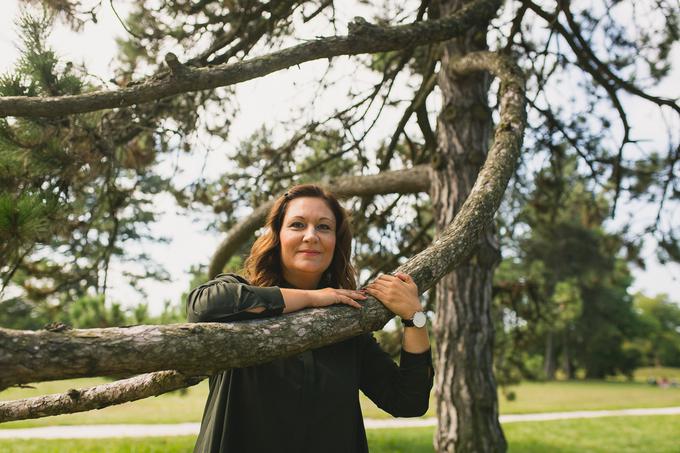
307, 238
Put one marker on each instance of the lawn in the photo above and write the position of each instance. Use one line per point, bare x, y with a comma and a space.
187, 406
659, 434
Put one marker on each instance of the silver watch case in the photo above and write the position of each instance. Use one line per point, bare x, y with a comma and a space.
419, 319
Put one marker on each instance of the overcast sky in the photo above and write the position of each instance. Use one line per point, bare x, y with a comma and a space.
265, 100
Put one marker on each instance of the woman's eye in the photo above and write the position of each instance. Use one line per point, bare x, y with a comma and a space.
323, 226
297, 225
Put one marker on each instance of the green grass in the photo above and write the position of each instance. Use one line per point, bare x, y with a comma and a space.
177, 407
118, 445
564, 396
586, 395
658, 434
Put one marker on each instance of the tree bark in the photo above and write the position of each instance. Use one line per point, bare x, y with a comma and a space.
362, 38
549, 361
466, 397
412, 180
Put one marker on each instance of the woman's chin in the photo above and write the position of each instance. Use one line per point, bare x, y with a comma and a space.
309, 268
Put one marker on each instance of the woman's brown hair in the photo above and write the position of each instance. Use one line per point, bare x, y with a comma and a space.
263, 266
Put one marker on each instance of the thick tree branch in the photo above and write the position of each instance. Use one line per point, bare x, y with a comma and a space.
118, 392
412, 180
200, 349
458, 240
362, 38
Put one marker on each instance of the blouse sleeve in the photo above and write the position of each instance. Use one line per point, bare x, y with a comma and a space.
401, 391
228, 296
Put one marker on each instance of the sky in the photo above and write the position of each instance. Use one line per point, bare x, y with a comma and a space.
262, 101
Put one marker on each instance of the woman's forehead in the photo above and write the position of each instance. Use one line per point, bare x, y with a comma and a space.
309, 208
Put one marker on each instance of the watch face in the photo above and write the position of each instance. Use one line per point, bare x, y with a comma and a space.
419, 319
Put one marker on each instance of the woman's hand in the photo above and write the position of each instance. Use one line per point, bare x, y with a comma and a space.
399, 293
329, 296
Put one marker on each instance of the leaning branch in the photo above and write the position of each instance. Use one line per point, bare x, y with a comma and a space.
459, 238
362, 38
201, 349
413, 180
118, 392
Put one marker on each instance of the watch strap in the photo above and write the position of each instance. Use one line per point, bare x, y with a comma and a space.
407, 322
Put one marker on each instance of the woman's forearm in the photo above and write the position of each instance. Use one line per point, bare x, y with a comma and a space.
294, 300
297, 299
415, 340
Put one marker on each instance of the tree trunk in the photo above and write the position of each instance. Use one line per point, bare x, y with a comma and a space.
567, 365
549, 365
466, 398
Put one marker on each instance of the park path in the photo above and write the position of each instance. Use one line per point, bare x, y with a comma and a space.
186, 429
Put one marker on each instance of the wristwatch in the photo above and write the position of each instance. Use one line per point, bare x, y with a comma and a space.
419, 319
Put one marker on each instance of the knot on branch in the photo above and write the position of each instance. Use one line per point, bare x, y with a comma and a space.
73, 394
56, 327
177, 68
360, 27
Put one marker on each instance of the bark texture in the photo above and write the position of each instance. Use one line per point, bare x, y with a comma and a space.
362, 38
80, 400
413, 180
200, 349
466, 397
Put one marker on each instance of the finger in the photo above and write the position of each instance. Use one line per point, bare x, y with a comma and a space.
386, 277
380, 284
356, 295
349, 301
377, 293
404, 277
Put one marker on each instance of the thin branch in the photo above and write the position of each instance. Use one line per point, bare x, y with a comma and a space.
122, 22
599, 73
627, 86
426, 87
362, 38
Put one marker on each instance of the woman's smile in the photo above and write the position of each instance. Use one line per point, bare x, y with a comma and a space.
310, 252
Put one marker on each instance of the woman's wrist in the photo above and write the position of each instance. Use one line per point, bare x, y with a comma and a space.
297, 299
408, 312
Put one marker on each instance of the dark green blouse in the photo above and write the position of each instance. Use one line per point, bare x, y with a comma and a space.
304, 403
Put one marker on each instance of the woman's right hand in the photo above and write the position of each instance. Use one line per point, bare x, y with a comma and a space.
330, 296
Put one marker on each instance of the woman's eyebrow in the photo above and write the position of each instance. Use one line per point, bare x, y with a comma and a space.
304, 218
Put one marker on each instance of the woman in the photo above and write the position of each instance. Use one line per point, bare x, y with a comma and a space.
308, 402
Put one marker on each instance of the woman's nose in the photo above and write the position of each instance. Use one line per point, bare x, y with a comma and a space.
310, 235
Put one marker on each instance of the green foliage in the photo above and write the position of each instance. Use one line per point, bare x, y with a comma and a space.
563, 297
18, 313
92, 311
659, 340
72, 189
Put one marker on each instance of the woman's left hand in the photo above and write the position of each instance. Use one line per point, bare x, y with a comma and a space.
399, 293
